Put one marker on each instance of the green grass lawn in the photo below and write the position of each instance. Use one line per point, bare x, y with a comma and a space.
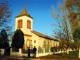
71, 55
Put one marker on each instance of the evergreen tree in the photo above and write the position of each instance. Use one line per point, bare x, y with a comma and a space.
4, 39
18, 39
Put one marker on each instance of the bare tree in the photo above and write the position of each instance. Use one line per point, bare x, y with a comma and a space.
60, 35
61, 16
5, 15
73, 7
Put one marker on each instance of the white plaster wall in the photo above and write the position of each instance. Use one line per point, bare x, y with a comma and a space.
52, 43
56, 43
16, 53
41, 42
36, 38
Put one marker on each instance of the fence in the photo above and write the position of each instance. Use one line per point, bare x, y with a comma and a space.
15, 49
18, 53
26, 51
46, 50
38, 52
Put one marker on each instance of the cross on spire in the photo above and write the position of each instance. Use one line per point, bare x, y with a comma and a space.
24, 4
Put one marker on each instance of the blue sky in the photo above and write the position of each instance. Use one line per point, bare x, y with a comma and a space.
40, 10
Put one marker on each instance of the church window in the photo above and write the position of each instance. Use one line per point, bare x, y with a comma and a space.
19, 23
44, 44
48, 45
29, 24
34, 41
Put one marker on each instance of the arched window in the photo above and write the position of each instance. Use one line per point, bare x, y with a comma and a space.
20, 23
29, 24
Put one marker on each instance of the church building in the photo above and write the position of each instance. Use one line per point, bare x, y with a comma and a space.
32, 38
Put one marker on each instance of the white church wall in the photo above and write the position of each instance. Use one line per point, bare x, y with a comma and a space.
47, 41
56, 43
41, 42
35, 39
52, 42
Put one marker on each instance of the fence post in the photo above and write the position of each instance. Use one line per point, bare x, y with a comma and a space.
37, 51
20, 51
67, 51
57, 50
10, 51
60, 50
79, 52
44, 51
49, 50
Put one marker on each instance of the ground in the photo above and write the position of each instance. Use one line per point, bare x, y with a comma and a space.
71, 56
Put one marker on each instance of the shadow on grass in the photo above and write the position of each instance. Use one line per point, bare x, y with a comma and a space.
71, 55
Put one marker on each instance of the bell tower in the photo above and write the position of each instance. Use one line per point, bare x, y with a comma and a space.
24, 22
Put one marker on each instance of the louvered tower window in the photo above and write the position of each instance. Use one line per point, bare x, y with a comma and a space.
29, 24
20, 23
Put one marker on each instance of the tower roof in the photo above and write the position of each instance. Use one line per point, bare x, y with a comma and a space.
24, 12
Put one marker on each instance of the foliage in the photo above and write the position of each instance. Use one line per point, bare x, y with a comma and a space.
73, 7
18, 39
74, 45
4, 39
76, 37
76, 33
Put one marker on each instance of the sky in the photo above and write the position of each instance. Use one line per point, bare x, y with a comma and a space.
39, 10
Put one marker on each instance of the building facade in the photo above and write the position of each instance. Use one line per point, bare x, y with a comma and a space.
32, 38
